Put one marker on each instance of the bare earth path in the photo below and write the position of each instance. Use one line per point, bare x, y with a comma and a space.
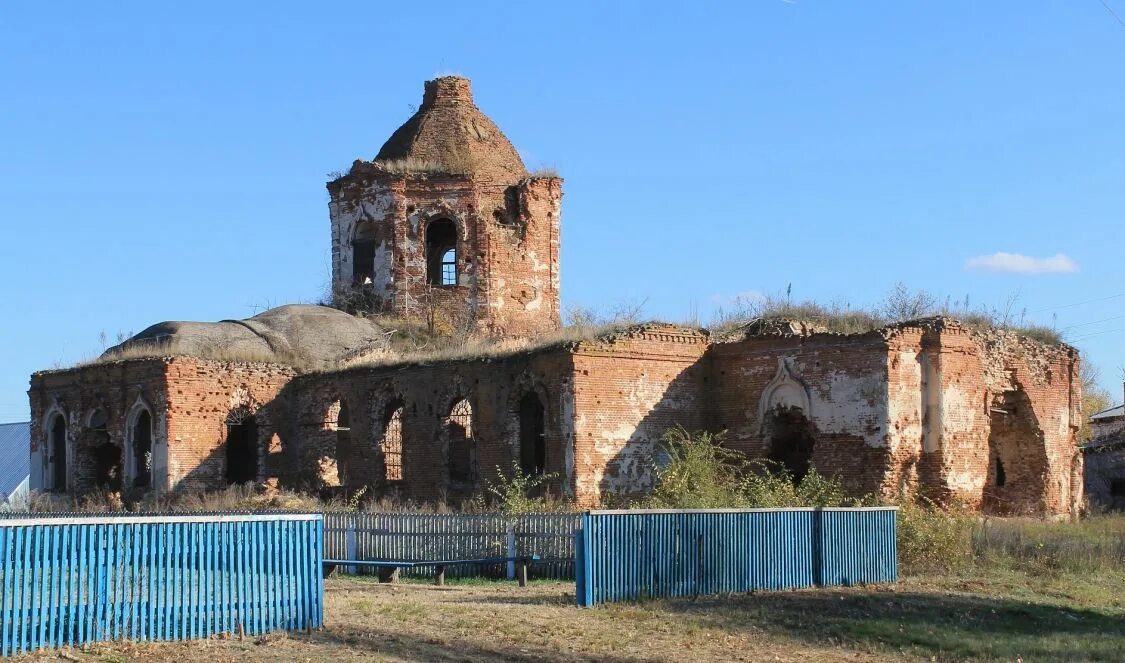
995, 618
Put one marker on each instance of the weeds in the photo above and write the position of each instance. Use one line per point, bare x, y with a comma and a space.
694, 471
515, 491
901, 304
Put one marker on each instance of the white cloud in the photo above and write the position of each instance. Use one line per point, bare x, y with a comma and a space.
1020, 264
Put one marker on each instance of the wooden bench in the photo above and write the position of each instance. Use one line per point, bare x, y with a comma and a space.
522, 565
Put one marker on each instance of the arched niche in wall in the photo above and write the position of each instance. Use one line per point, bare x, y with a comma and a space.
785, 391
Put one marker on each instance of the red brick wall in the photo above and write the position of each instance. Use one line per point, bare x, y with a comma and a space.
627, 393
428, 391
115, 389
201, 395
845, 378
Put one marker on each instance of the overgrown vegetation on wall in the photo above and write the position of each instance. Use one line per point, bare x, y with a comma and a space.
899, 305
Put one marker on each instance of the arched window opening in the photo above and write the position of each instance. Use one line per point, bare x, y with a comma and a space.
392, 443
533, 443
791, 439
363, 254
56, 454
107, 455
339, 420
441, 253
242, 448
462, 451
140, 468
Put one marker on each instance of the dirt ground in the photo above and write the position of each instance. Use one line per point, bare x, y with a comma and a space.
941, 620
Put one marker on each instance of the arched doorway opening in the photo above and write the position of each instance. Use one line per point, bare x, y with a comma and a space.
791, 440
533, 442
56, 473
140, 447
108, 466
241, 448
1017, 461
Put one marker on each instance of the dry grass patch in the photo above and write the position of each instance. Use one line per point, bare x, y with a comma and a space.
994, 616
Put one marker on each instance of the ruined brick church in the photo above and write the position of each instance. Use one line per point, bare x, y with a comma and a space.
446, 227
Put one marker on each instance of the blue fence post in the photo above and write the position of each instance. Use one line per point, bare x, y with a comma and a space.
584, 543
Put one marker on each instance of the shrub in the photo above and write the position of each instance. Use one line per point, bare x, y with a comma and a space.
513, 491
932, 539
697, 472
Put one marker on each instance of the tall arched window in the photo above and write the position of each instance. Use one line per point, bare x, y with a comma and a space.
241, 447
533, 444
108, 468
392, 443
363, 253
340, 421
140, 450
441, 253
462, 446
56, 454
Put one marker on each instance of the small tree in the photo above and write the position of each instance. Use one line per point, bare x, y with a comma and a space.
514, 491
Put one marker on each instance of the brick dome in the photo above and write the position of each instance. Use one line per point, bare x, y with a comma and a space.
450, 133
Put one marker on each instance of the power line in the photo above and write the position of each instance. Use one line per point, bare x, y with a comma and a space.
1088, 301
1104, 331
1087, 324
1112, 13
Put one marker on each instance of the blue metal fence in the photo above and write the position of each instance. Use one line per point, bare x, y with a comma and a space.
431, 536
627, 555
70, 581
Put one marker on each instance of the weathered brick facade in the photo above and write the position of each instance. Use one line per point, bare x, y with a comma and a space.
988, 419
449, 181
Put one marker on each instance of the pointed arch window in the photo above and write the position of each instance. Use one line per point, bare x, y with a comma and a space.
441, 253
363, 254
462, 446
392, 443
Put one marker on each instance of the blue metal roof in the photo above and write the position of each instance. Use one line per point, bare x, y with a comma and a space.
15, 456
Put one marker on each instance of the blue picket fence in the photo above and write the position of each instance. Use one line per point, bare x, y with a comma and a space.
70, 581
627, 555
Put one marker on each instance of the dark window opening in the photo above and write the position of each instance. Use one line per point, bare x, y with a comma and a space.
441, 253
1001, 478
107, 455
57, 454
462, 455
343, 440
1117, 487
242, 450
791, 441
363, 254
392, 444
533, 443
142, 450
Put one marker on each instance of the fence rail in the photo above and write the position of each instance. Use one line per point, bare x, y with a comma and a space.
626, 555
423, 537
73, 580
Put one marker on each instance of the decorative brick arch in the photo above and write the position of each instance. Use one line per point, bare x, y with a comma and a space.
139, 451
388, 431
785, 391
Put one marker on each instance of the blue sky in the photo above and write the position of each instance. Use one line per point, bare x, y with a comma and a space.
167, 161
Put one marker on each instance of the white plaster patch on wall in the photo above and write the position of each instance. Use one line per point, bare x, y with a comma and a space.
852, 405
958, 411
904, 402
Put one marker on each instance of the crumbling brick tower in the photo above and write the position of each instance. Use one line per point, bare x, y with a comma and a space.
446, 227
